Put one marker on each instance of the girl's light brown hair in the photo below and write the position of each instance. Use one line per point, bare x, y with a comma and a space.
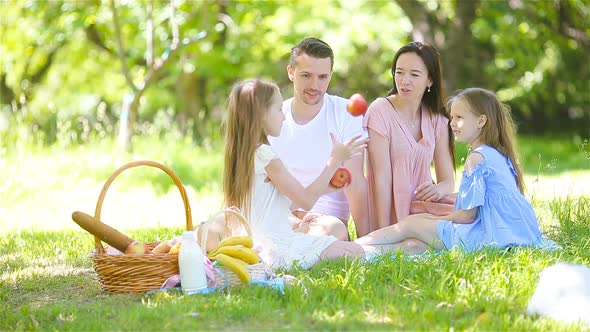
499, 131
247, 105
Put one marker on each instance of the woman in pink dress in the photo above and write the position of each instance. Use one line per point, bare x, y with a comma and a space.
408, 132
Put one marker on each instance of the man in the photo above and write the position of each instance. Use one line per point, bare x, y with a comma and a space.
305, 145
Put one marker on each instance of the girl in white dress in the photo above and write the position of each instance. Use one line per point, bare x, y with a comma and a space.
256, 181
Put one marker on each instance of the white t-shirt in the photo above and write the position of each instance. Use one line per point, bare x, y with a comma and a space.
305, 149
280, 246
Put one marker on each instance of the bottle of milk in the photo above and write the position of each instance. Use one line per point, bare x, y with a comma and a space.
191, 264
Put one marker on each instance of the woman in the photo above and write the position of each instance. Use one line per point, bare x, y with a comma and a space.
491, 209
408, 131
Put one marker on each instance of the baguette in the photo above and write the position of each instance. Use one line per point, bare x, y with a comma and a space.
104, 232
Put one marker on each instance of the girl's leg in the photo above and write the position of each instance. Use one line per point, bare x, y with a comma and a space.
320, 224
410, 247
342, 249
418, 226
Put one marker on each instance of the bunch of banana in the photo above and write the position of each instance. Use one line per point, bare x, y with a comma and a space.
236, 253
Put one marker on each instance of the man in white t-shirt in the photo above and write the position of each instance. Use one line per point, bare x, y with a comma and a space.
305, 145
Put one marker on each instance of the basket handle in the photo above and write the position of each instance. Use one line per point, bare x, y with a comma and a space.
232, 210
175, 178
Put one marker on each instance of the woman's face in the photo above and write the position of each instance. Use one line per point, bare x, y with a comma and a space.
274, 116
411, 76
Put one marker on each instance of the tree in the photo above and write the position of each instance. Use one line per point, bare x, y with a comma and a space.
154, 65
450, 34
495, 44
65, 66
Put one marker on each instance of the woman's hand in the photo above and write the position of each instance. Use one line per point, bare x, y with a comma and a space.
342, 152
428, 192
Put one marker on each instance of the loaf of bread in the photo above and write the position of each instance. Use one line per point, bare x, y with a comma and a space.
103, 231
162, 248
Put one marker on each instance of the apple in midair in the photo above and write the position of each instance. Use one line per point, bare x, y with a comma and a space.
357, 105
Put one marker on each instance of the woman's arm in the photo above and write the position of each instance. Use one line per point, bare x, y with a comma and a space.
356, 193
305, 197
443, 165
380, 160
445, 173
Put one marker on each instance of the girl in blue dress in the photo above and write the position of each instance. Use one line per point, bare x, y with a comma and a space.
490, 209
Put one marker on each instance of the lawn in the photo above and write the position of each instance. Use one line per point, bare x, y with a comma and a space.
47, 281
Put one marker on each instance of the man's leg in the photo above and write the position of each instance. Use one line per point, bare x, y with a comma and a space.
343, 249
320, 224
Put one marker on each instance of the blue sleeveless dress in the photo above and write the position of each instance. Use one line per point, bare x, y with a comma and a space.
504, 218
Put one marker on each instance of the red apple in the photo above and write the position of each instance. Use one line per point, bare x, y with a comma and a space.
357, 105
137, 248
340, 178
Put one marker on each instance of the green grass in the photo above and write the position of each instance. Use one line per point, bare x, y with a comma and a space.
48, 284
47, 281
198, 167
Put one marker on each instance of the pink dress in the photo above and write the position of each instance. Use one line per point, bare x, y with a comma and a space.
410, 160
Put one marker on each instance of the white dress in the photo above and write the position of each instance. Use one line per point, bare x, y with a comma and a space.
280, 246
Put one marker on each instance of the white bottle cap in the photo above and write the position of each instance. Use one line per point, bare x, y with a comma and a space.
188, 234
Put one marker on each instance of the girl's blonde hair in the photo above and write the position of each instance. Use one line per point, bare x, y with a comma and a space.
247, 105
499, 130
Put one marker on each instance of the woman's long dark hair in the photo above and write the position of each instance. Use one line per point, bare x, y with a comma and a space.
434, 99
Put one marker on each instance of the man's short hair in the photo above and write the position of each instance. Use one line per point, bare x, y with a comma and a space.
313, 47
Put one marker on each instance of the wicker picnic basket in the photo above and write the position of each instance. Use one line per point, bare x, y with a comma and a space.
136, 273
233, 223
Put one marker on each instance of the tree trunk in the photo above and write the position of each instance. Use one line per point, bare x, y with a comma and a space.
6, 93
452, 38
190, 102
459, 43
200, 124
153, 71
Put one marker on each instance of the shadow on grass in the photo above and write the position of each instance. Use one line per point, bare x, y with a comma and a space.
47, 283
396, 293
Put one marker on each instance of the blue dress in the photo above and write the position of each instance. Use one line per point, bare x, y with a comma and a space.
504, 218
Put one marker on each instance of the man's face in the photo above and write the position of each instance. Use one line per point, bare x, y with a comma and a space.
310, 78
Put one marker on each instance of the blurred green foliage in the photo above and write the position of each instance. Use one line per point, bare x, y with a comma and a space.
61, 80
